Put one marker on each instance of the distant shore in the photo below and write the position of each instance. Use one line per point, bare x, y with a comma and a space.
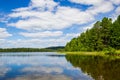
48, 49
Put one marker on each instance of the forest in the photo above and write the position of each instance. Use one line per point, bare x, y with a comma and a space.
48, 49
104, 35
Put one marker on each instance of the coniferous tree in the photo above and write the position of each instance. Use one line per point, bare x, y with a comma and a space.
103, 35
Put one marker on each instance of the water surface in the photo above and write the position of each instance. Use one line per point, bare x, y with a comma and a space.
54, 66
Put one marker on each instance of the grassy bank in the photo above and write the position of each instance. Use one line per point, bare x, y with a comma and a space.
101, 53
86, 53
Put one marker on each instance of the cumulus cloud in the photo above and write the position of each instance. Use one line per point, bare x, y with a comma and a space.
48, 15
4, 33
41, 40
107, 7
41, 43
98, 6
87, 2
95, 2
116, 2
71, 35
117, 10
89, 26
116, 13
44, 4
43, 34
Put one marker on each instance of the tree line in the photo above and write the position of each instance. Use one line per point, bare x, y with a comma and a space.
104, 35
48, 49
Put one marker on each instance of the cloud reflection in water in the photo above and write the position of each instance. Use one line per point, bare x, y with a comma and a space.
39, 67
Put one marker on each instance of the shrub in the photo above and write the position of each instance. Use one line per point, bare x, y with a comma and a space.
110, 51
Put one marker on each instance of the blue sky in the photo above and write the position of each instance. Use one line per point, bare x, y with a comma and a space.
44, 23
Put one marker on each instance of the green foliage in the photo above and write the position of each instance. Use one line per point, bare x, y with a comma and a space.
49, 49
109, 51
115, 34
25, 50
104, 35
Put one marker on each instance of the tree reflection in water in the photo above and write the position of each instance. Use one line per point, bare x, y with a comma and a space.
100, 68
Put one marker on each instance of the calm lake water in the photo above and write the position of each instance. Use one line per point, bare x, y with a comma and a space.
54, 66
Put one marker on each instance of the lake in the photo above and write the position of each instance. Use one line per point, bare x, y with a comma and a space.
54, 66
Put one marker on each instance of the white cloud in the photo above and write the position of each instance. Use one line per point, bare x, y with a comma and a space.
101, 8
117, 10
35, 40
41, 19
4, 33
74, 16
39, 15
35, 43
117, 2
87, 2
44, 4
71, 35
115, 14
95, 2
98, 6
88, 26
42, 34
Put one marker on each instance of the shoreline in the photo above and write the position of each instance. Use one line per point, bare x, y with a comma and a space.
101, 53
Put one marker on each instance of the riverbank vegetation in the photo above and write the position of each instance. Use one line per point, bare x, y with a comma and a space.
95, 53
48, 49
103, 36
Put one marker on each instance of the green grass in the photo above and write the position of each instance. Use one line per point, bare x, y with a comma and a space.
118, 51
101, 53
86, 53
